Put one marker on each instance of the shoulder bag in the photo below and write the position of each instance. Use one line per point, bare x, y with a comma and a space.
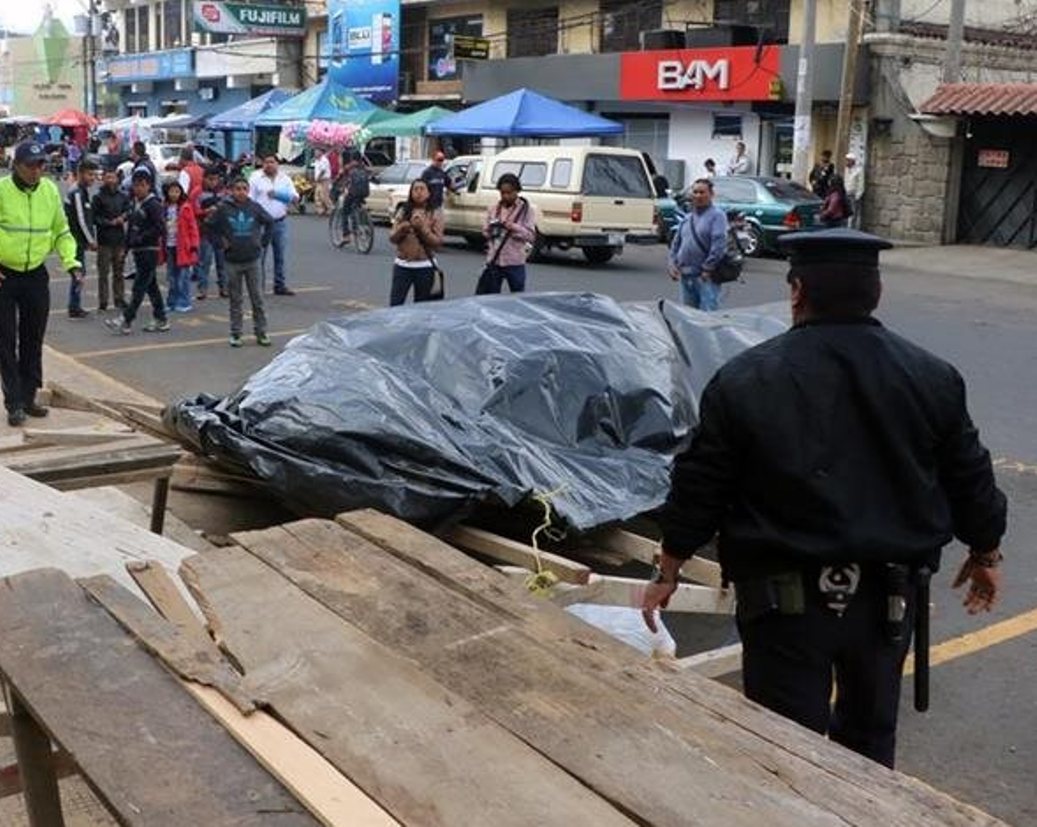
728, 269
491, 276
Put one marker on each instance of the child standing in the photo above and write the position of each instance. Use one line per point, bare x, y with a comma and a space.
144, 239
182, 243
243, 229
211, 250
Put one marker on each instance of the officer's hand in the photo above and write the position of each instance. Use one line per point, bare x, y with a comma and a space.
707, 275
77, 274
674, 272
656, 596
984, 586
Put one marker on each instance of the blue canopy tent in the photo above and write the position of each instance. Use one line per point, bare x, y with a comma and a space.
242, 118
327, 101
524, 113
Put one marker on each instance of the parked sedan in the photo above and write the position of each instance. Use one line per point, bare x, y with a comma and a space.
389, 188
772, 206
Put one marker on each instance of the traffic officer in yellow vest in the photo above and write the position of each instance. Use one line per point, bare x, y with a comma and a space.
32, 225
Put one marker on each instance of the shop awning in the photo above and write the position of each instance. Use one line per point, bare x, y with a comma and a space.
982, 99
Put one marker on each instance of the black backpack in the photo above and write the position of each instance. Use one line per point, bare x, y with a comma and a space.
359, 185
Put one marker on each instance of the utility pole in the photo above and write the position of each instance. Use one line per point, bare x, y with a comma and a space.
955, 36
801, 137
853, 45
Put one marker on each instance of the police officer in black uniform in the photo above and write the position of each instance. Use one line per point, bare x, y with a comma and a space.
836, 461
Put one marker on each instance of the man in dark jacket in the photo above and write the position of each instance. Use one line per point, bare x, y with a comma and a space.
821, 175
209, 200
438, 182
836, 461
79, 212
144, 238
243, 228
111, 209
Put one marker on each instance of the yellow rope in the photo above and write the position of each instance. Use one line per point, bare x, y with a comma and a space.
542, 581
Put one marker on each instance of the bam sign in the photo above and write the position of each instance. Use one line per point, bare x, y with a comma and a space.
237, 18
735, 73
674, 75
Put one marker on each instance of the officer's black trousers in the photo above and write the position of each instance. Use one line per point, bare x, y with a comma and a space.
788, 663
24, 308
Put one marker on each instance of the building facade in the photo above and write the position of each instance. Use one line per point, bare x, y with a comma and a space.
42, 73
168, 63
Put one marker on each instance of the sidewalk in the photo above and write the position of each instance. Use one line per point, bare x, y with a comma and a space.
970, 262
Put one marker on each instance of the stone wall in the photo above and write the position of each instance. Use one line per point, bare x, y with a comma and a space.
907, 184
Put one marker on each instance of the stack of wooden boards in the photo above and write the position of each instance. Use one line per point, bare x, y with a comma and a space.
426, 689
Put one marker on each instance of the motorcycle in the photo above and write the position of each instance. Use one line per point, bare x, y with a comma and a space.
739, 238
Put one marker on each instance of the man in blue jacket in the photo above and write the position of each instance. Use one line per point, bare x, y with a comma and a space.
699, 245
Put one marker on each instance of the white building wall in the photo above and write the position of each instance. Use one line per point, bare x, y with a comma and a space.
692, 141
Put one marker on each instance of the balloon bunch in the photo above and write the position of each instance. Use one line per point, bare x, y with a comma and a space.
322, 133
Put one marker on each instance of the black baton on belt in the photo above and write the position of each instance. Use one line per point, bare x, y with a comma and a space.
922, 641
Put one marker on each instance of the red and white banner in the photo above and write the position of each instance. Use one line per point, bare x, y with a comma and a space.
735, 73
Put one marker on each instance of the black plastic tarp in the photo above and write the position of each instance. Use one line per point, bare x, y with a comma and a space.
427, 410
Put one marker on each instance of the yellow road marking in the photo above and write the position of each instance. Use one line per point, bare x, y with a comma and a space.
972, 642
174, 345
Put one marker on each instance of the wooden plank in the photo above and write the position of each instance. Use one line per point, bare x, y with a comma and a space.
92, 460
43, 527
120, 504
588, 721
715, 663
835, 779
109, 480
644, 550
168, 598
422, 752
325, 792
150, 753
190, 656
509, 551
75, 436
606, 590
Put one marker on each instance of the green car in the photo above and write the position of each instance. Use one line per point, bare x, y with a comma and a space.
771, 206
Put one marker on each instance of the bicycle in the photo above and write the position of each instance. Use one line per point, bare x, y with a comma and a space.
361, 229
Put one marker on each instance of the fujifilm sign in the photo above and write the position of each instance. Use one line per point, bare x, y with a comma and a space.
676, 76
260, 16
222, 17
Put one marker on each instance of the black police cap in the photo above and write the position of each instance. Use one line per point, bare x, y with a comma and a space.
836, 246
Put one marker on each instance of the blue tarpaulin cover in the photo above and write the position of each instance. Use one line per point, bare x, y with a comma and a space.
427, 410
524, 113
242, 118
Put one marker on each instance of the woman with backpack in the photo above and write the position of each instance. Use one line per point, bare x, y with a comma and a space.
510, 229
417, 232
836, 207
182, 243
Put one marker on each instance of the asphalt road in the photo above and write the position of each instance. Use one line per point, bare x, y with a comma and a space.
979, 742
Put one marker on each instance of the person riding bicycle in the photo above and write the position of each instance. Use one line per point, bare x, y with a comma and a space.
355, 185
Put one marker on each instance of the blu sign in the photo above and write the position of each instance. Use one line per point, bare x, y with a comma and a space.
363, 47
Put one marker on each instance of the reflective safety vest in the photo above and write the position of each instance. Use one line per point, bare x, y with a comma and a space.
32, 224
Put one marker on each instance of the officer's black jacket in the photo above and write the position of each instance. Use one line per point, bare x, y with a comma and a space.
837, 441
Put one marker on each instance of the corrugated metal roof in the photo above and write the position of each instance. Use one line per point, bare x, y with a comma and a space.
982, 99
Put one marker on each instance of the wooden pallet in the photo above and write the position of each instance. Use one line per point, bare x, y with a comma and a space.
415, 685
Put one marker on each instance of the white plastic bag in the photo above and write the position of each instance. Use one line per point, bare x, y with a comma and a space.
627, 625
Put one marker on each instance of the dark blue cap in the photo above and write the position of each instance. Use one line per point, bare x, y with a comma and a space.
836, 246
29, 153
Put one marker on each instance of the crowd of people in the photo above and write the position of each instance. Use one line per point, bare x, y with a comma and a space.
192, 223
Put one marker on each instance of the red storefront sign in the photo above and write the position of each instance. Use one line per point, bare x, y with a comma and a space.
724, 74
